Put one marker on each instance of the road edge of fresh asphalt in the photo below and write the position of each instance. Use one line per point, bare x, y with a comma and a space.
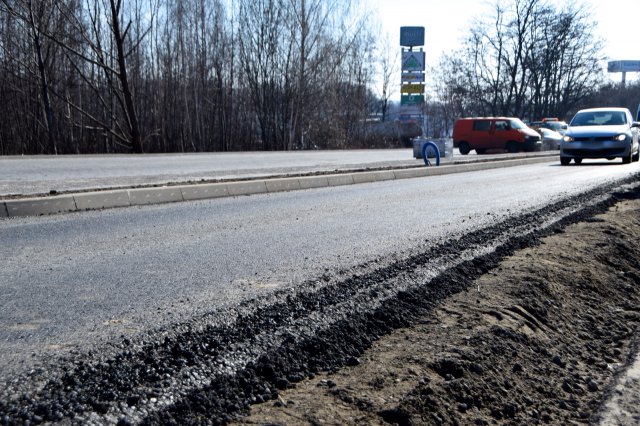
126, 197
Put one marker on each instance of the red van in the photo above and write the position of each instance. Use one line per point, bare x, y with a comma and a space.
499, 133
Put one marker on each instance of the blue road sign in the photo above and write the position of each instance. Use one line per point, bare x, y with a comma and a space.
411, 36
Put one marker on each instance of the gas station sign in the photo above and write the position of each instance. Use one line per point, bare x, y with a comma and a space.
413, 88
412, 77
412, 61
408, 100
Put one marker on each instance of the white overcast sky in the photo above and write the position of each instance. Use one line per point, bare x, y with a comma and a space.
446, 22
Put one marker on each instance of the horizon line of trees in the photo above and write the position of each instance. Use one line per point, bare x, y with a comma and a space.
112, 76
84, 76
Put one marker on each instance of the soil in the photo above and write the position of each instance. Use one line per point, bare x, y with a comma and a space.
541, 338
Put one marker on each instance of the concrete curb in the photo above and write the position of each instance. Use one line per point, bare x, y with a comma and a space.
169, 194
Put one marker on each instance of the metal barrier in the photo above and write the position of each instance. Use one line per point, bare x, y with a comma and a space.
424, 153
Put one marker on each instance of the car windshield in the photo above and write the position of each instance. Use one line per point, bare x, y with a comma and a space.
555, 125
517, 124
599, 118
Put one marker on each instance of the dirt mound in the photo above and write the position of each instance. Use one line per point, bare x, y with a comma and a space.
538, 339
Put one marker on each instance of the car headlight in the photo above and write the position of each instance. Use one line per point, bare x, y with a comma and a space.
567, 138
620, 137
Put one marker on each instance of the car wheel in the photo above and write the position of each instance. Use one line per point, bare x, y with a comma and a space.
577, 160
565, 161
636, 156
512, 147
627, 159
464, 148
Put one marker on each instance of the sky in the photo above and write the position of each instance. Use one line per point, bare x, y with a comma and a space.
446, 22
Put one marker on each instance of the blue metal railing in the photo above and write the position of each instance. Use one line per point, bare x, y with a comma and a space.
424, 153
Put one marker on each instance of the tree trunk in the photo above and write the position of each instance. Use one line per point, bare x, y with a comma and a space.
132, 118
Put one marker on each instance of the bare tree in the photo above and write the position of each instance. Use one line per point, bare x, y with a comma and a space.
265, 52
294, 55
106, 35
36, 20
388, 74
531, 58
82, 76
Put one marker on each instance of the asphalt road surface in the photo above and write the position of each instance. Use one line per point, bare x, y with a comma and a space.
33, 175
75, 281
41, 174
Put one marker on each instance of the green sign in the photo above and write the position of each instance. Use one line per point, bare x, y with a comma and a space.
412, 99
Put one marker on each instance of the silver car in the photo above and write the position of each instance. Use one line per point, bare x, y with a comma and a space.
601, 133
550, 140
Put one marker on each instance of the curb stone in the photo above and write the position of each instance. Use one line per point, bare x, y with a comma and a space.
38, 206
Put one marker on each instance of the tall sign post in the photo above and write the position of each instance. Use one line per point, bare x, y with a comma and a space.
412, 77
624, 67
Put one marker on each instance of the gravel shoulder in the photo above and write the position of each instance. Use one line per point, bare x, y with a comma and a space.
546, 336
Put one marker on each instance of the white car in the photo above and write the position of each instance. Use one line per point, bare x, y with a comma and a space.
601, 133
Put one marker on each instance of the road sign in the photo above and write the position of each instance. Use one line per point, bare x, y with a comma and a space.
412, 112
407, 100
412, 77
411, 36
412, 61
623, 66
412, 88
